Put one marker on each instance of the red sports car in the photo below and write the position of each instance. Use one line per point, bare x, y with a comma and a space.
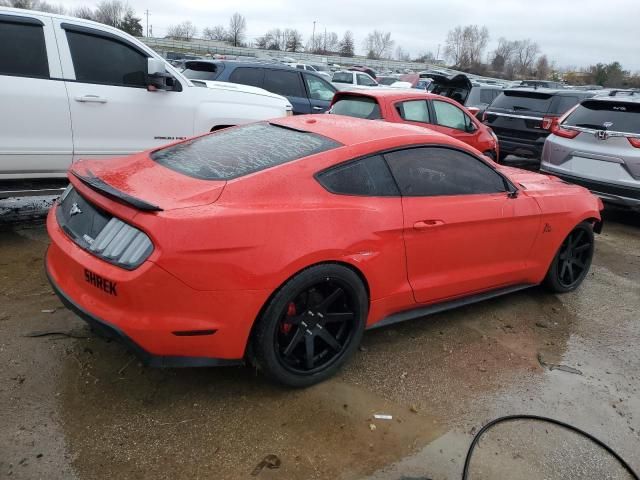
418, 108
281, 242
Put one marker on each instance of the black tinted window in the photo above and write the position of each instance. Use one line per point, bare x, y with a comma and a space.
562, 103
202, 70
239, 151
369, 176
488, 94
441, 171
247, 76
283, 82
102, 60
523, 101
360, 107
22, 50
342, 77
618, 116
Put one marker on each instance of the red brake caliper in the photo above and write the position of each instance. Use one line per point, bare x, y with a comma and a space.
285, 327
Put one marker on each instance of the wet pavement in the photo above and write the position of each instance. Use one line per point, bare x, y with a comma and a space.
73, 406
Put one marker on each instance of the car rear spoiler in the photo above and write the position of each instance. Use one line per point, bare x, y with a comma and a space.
101, 186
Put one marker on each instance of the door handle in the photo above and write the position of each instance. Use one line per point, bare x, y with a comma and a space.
427, 224
91, 99
318, 108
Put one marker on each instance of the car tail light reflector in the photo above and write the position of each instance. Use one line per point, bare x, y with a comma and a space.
634, 141
558, 130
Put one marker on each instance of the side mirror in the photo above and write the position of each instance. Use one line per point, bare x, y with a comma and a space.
157, 76
470, 127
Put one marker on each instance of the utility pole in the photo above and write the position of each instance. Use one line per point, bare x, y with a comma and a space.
313, 36
438, 54
324, 49
146, 12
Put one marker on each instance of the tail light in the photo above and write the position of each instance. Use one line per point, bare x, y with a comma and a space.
634, 141
547, 122
557, 129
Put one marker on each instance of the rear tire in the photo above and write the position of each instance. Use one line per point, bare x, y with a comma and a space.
571, 264
311, 326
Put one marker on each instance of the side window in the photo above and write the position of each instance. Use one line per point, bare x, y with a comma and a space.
414, 111
435, 171
247, 76
318, 89
103, 60
283, 82
487, 95
22, 50
366, 177
365, 80
300, 67
562, 103
450, 116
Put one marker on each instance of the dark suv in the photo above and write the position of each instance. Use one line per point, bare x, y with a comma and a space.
307, 91
522, 119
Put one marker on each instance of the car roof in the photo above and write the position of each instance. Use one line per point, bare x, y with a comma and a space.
389, 93
354, 131
632, 98
550, 91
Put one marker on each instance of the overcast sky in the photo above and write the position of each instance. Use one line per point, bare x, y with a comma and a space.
571, 32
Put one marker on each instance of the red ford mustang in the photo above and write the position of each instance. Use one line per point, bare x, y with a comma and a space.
418, 108
281, 242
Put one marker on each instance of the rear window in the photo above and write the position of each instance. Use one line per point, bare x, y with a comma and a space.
342, 77
240, 151
523, 101
563, 103
613, 116
360, 107
202, 70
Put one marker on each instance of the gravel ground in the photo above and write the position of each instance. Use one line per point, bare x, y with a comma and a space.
73, 406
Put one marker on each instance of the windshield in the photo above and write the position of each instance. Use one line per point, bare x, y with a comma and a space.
239, 151
360, 107
342, 77
606, 115
523, 101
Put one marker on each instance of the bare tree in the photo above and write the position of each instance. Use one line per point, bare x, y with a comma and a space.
464, 46
347, 45
183, 31
274, 39
38, 5
378, 44
237, 29
84, 12
525, 55
293, 40
217, 33
543, 68
110, 12
426, 57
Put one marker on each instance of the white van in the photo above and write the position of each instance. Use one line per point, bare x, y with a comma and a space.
72, 88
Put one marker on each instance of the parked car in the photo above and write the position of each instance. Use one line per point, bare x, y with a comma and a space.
229, 247
72, 88
475, 96
307, 91
416, 81
311, 68
597, 145
387, 80
421, 109
541, 84
347, 79
522, 117
360, 68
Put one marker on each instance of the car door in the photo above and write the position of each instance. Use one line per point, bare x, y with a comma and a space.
319, 91
451, 120
288, 83
112, 111
464, 233
35, 125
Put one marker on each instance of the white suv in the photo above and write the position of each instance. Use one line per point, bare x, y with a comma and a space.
72, 88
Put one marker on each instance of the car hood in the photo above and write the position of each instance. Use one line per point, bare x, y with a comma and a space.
140, 182
237, 87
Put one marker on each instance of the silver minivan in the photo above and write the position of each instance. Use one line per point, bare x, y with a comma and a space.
597, 145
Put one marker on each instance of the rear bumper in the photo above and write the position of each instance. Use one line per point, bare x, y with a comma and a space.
616, 194
157, 316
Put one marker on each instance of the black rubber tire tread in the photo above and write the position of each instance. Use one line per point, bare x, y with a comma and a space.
264, 356
551, 281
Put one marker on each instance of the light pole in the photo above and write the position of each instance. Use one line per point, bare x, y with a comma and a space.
313, 36
146, 12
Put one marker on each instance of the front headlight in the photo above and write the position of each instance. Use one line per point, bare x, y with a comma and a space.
122, 244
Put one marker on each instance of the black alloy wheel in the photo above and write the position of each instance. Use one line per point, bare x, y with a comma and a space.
571, 264
311, 326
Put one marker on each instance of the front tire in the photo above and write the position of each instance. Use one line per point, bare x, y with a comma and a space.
571, 264
311, 326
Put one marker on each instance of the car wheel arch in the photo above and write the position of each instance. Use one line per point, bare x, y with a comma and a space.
350, 266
